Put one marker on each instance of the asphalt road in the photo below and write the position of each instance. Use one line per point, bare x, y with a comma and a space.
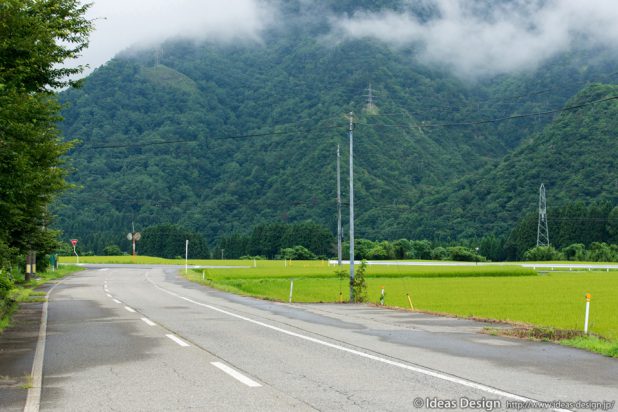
144, 339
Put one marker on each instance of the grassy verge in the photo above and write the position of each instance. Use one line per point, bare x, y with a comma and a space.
24, 292
149, 260
572, 338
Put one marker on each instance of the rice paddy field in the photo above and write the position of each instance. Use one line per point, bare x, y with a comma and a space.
506, 293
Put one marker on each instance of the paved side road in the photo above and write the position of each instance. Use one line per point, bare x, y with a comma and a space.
146, 339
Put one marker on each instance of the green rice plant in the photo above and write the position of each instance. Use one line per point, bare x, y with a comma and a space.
555, 300
321, 269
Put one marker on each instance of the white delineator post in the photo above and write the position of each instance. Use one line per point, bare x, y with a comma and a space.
291, 289
588, 296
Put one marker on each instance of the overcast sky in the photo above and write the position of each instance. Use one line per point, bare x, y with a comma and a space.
120, 24
520, 35
477, 41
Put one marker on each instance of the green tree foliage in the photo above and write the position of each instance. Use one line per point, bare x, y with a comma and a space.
573, 156
568, 225
612, 225
269, 239
492, 248
297, 253
463, 254
112, 250
169, 241
602, 252
439, 253
360, 283
576, 251
36, 38
543, 253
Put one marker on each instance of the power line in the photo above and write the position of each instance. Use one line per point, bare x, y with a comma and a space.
496, 120
243, 136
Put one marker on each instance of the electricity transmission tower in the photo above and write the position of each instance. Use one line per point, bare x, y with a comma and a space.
542, 233
371, 107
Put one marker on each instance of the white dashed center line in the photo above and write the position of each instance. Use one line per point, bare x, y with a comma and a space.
236, 375
178, 340
148, 322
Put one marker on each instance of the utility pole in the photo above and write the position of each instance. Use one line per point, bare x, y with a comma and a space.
351, 207
339, 228
542, 232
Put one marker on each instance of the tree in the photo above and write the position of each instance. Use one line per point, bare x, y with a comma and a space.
169, 241
542, 253
464, 254
602, 252
112, 250
575, 251
36, 38
360, 284
297, 253
612, 225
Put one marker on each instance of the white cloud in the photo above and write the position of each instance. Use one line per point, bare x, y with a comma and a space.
485, 38
120, 24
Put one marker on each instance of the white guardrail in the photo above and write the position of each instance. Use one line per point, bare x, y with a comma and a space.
535, 266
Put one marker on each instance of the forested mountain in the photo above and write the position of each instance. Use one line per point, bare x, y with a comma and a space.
574, 157
221, 137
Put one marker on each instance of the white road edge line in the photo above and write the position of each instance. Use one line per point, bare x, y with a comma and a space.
117, 301
108, 295
148, 322
129, 309
33, 399
236, 375
427, 372
177, 340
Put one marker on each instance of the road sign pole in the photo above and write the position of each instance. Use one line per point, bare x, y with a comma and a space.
74, 243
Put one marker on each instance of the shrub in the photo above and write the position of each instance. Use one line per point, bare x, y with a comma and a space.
576, 251
297, 253
464, 254
360, 284
112, 250
439, 253
542, 253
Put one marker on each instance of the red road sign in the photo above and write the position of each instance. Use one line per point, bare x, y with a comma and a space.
74, 242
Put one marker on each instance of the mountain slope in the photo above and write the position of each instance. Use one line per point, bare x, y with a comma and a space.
218, 184
221, 137
574, 157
